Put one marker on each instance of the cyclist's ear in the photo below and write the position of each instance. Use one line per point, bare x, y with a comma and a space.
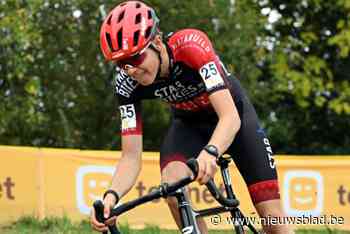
157, 42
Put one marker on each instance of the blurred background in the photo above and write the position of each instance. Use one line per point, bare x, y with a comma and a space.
291, 56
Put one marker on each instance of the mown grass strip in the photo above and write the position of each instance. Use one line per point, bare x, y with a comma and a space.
30, 225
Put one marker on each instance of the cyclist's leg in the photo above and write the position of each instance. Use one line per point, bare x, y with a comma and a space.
172, 172
252, 153
180, 144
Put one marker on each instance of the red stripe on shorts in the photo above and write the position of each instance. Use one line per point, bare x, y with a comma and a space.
171, 158
264, 191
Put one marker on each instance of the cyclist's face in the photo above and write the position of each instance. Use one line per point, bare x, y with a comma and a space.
146, 69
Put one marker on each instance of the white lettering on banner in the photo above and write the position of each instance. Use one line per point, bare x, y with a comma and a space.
318, 185
303, 193
128, 116
273, 220
211, 76
193, 37
91, 182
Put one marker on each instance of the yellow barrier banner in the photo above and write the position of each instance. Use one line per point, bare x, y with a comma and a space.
315, 191
19, 184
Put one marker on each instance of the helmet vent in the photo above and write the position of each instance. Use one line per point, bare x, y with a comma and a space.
120, 38
149, 14
121, 16
109, 20
138, 5
109, 41
136, 37
138, 18
148, 32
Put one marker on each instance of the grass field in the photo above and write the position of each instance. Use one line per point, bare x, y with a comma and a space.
28, 225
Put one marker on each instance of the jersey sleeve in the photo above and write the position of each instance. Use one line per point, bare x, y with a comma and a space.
129, 105
193, 47
130, 117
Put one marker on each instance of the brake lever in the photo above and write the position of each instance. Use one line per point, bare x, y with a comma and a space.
193, 165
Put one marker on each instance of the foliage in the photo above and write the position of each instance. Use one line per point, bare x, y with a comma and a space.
308, 69
56, 91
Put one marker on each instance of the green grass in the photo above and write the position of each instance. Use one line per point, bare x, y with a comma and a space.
29, 225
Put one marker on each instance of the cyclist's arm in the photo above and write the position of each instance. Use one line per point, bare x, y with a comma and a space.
200, 55
123, 179
129, 165
229, 120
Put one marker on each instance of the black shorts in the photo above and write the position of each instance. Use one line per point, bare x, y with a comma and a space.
250, 150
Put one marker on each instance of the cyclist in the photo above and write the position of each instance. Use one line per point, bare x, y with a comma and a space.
211, 114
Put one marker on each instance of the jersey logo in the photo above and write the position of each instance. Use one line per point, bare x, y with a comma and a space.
269, 153
178, 92
193, 37
211, 76
177, 70
128, 117
124, 84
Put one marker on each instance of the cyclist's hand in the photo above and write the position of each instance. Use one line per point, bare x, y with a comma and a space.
109, 203
206, 167
97, 226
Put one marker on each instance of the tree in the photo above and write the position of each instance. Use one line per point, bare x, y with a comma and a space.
56, 87
308, 73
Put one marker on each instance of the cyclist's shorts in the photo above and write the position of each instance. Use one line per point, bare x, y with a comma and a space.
250, 150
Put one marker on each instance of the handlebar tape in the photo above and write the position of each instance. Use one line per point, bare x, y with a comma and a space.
98, 206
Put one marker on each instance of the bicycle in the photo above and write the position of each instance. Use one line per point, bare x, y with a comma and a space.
187, 214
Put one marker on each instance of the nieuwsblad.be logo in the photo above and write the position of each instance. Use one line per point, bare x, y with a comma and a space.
91, 182
303, 193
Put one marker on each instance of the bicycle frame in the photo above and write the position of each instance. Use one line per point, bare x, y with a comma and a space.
188, 215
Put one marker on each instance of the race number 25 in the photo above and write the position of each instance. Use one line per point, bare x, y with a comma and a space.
211, 76
128, 116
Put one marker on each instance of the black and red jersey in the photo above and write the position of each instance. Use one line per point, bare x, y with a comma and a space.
195, 72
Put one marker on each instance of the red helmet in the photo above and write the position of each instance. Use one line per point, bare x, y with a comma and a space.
127, 30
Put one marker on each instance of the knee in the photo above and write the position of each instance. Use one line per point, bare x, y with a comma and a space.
174, 171
272, 208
